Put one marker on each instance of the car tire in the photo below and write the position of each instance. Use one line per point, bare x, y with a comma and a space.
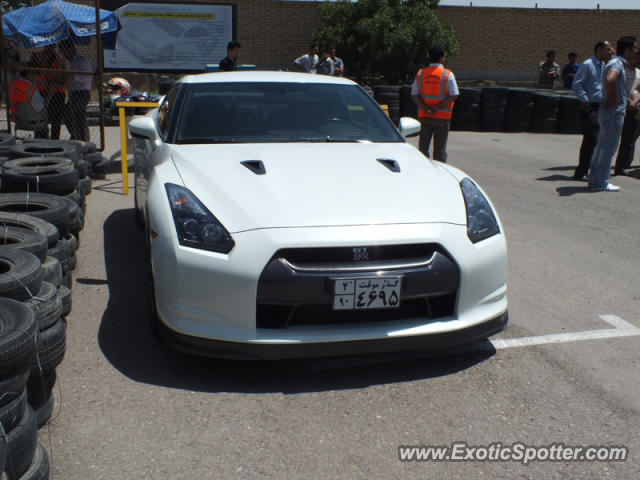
20, 273
40, 466
67, 301
56, 180
51, 346
27, 163
33, 223
13, 410
21, 445
48, 148
24, 239
47, 305
43, 412
52, 271
44, 206
40, 385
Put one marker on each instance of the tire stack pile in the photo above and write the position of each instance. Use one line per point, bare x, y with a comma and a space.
389, 95
546, 105
42, 207
493, 107
519, 110
466, 110
569, 114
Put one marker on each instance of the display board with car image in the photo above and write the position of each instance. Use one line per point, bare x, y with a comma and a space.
170, 37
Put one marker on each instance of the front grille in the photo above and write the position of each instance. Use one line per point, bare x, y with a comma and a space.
283, 316
296, 286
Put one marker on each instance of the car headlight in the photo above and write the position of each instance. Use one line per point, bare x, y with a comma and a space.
196, 226
481, 221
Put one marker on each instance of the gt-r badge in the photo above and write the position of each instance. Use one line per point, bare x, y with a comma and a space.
360, 254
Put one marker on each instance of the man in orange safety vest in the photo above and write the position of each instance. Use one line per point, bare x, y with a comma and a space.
27, 106
434, 91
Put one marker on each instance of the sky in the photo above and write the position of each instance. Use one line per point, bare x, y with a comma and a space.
588, 4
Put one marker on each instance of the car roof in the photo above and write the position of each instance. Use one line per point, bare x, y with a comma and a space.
263, 76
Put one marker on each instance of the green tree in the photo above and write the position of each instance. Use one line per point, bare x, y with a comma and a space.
384, 37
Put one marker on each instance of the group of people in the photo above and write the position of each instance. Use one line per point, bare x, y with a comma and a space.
608, 87
325, 64
549, 71
51, 89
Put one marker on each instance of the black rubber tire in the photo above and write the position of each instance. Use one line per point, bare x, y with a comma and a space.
21, 445
24, 239
67, 280
58, 148
47, 305
18, 345
40, 385
40, 467
83, 169
67, 300
62, 251
94, 158
56, 180
27, 163
20, 273
45, 206
52, 271
6, 139
12, 383
43, 412
13, 410
52, 344
33, 223
72, 241
84, 186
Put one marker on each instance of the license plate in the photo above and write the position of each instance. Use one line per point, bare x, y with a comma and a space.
364, 293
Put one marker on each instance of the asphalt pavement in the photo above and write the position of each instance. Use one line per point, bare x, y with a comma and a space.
564, 372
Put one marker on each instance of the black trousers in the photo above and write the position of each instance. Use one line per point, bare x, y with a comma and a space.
589, 120
630, 133
76, 115
55, 110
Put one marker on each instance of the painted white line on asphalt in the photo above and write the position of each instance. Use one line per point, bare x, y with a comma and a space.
622, 329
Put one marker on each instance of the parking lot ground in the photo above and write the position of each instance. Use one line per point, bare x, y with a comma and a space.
128, 407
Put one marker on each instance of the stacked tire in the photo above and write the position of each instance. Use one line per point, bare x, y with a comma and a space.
544, 118
466, 110
389, 95
493, 106
569, 114
519, 110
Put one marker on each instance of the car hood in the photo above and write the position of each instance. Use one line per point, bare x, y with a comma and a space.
318, 184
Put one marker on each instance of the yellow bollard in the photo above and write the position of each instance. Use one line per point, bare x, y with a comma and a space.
123, 138
385, 108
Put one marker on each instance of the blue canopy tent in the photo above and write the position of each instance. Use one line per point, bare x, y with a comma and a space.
56, 20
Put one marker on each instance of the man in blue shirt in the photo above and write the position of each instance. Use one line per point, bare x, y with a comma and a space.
569, 71
588, 87
611, 116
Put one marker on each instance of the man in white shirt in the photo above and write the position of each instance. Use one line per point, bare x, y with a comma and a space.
631, 125
309, 62
79, 88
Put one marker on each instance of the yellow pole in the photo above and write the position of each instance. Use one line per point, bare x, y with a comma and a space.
123, 151
123, 138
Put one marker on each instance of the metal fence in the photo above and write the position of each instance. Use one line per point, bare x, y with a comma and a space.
67, 101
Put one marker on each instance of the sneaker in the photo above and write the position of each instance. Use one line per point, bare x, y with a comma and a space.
611, 188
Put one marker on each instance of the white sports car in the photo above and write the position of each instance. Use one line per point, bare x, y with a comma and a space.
286, 216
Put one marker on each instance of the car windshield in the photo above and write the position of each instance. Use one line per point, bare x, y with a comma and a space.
281, 112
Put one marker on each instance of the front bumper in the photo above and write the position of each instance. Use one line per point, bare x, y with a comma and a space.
278, 351
208, 302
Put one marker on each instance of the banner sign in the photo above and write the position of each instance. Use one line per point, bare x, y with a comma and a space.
157, 36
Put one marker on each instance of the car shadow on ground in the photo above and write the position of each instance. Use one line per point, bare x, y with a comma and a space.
126, 339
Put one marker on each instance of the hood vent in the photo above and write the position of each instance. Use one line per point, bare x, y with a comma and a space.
256, 166
390, 164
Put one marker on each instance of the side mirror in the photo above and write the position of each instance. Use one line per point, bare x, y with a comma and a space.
409, 127
143, 127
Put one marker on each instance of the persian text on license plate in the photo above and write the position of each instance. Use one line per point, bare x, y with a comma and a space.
366, 292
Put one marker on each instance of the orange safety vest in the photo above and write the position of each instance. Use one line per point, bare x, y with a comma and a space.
42, 78
58, 63
21, 91
432, 87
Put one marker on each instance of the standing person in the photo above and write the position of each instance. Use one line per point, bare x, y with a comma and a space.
548, 71
79, 86
26, 103
56, 92
228, 63
569, 71
326, 65
434, 91
611, 116
588, 87
308, 63
631, 125
338, 64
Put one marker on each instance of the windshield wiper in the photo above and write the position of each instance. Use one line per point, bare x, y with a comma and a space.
326, 139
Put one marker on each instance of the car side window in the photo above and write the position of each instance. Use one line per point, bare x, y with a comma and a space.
164, 113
